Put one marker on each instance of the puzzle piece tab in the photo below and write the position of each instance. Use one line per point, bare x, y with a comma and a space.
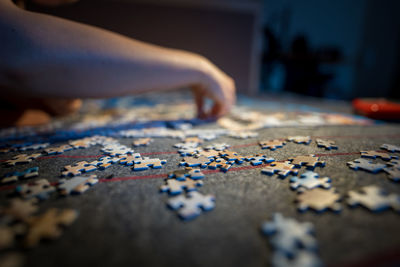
15, 176
76, 185
309, 180
366, 165
272, 144
327, 144
319, 200
47, 225
310, 161
191, 205
41, 189
283, 169
374, 199
376, 154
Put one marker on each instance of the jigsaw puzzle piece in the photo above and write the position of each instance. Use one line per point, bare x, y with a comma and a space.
327, 144
142, 141
395, 163
200, 161
115, 150
191, 205
47, 225
366, 165
310, 161
129, 160
58, 150
319, 200
188, 172
20, 210
288, 235
259, 159
272, 144
391, 148
76, 185
41, 189
374, 198
78, 168
300, 139
174, 187
309, 180
283, 169
218, 146
376, 154
232, 156
22, 158
393, 174
15, 176
146, 162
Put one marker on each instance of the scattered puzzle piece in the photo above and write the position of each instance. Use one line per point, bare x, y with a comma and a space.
243, 134
200, 161
146, 162
218, 147
367, 165
189, 151
76, 185
309, 180
393, 174
15, 176
303, 258
58, 150
81, 143
374, 199
327, 144
310, 161
22, 158
209, 153
116, 150
260, 159
319, 200
395, 163
142, 141
300, 139
232, 156
34, 146
391, 148
47, 225
20, 209
129, 160
289, 235
78, 168
174, 187
376, 154
188, 172
191, 205
41, 189
217, 163
283, 169
272, 144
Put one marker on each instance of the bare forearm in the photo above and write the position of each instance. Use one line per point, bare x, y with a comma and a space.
60, 58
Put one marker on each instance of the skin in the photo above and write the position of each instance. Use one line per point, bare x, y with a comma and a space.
53, 63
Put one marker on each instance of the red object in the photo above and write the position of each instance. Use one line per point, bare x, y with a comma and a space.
381, 108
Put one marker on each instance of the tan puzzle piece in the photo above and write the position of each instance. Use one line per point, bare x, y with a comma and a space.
21, 209
78, 168
309, 161
209, 153
375, 154
272, 144
81, 143
47, 225
319, 199
39, 189
232, 156
142, 141
22, 158
58, 149
193, 140
195, 161
300, 139
174, 186
281, 168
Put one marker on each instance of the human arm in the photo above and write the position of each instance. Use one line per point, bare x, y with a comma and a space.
52, 57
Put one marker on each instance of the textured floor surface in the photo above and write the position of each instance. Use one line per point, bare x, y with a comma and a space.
124, 221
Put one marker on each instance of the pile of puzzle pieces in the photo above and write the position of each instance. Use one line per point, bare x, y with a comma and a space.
293, 242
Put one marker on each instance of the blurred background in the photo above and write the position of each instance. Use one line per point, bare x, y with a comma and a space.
334, 49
